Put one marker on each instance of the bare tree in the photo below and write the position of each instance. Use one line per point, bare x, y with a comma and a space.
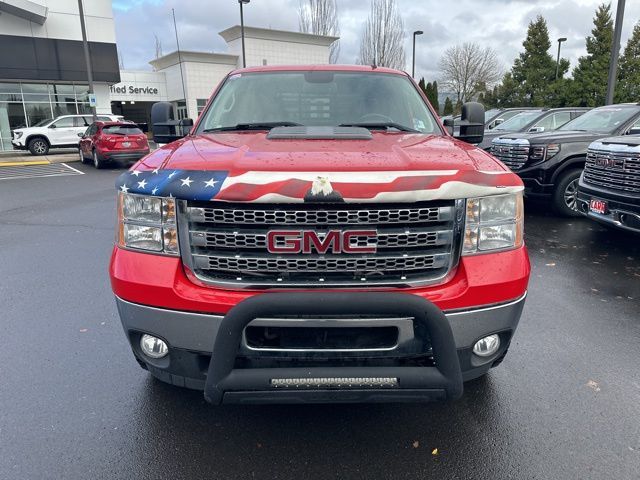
320, 17
467, 68
382, 41
158, 46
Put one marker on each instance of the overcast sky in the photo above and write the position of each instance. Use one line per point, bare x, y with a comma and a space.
500, 24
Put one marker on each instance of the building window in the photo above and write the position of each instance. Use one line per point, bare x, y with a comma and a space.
25, 104
201, 102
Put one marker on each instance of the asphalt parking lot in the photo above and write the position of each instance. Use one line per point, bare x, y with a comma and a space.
565, 403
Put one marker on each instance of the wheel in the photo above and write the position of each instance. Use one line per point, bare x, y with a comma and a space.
82, 157
97, 161
38, 146
565, 196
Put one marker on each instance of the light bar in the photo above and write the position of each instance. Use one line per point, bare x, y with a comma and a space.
335, 382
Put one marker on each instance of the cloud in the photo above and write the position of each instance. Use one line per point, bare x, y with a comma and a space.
500, 24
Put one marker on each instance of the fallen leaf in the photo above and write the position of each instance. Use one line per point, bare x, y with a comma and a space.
83, 330
593, 385
434, 451
416, 444
550, 264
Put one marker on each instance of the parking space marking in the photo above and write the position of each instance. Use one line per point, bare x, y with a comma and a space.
40, 170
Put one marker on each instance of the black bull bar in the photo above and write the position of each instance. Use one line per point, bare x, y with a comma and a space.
226, 384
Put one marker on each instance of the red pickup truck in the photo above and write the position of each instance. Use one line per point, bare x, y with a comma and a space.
319, 236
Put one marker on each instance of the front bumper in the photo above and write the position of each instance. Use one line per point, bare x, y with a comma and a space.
623, 211
18, 145
191, 338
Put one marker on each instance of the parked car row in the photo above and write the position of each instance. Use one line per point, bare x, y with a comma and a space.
110, 138
577, 166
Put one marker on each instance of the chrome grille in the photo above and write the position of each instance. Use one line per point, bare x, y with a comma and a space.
227, 243
318, 217
615, 170
513, 153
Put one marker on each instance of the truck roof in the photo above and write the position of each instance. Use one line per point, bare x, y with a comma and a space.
307, 68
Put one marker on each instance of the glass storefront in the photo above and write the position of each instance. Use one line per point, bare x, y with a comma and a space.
25, 104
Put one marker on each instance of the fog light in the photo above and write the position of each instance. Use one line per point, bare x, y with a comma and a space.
487, 346
153, 347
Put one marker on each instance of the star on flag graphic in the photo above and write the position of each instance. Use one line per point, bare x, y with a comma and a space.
185, 184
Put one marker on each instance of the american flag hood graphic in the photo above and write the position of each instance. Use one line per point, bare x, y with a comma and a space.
291, 187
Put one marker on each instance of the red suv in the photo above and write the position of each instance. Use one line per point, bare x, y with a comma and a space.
107, 141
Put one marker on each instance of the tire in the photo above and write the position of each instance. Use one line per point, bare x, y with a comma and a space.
38, 146
97, 161
83, 159
565, 196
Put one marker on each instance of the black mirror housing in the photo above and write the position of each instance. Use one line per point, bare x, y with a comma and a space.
472, 123
165, 128
449, 123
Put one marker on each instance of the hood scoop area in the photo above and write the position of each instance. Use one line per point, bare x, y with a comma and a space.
319, 133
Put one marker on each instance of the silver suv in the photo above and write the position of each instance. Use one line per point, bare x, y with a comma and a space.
59, 132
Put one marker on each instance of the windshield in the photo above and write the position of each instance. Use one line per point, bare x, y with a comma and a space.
489, 114
601, 120
122, 130
44, 122
519, 121
318, 98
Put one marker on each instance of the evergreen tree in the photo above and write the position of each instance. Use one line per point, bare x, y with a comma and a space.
534, 70
448, 107
589, 86
422, 85
508, 94
628, 86
434, 96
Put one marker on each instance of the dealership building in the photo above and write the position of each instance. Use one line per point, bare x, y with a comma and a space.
43, 70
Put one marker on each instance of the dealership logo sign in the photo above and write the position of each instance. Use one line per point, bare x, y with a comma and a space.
132, 90
309, 241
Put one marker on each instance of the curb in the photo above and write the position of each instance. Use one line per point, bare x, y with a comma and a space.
18, 164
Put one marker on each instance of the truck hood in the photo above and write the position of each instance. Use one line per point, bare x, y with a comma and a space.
557, 136
249, 167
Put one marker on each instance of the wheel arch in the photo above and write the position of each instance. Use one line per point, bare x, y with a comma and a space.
571, 163
33, 136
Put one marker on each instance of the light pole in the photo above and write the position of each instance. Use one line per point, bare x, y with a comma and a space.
413, 61
615, 50
87, 56
242, 2
560, 40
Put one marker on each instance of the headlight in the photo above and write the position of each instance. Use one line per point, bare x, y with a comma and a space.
17, 134
147, 223
493, 223
538, 153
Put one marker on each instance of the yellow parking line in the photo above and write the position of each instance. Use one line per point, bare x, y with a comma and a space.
16, 164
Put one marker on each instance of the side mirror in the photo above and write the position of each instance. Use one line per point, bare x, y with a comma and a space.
449, 123
498, 121
472, 123
165, 128
53, 125
536, 130
634, 131
81, 135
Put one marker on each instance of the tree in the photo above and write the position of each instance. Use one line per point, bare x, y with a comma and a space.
320, 17
534, 70
448, 107
508, 94
589, 86
628, 88
158, 46
422, 85
465, 67
434, 96
382, 41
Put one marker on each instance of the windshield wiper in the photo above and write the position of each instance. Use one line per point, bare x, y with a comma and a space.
253, 126
381, 126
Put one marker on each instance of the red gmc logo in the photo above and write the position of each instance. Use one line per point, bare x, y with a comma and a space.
309, 241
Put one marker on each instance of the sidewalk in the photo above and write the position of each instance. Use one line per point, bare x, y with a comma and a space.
12, 159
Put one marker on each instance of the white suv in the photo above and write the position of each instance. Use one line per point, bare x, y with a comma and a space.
60, 132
